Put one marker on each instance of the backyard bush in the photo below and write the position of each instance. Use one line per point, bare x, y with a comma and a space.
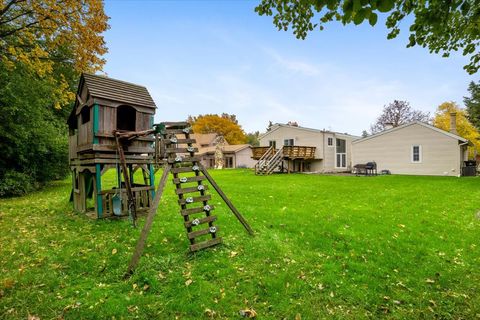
325, 247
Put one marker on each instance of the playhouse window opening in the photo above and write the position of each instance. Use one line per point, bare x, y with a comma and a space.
126, 118
85, 114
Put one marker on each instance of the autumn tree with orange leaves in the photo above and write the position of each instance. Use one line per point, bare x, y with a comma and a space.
465, 128
53, 37
44, 46
225, 125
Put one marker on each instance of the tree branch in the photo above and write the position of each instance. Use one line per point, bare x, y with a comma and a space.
7, 7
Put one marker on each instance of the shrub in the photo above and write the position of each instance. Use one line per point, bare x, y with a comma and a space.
14, 184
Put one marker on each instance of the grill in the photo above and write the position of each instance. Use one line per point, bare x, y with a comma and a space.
368, 169
371, 168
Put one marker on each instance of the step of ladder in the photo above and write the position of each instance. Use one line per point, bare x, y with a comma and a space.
188, 179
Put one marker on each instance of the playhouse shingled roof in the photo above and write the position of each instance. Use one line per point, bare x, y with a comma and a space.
116, 90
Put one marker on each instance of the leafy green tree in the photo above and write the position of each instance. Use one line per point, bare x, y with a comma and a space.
225, 125
364, 134
252, 138
440, 26
33, 135
44, 46
472, 104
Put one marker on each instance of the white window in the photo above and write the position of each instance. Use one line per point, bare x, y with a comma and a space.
341, 153
288, 142
416, 154
330, 142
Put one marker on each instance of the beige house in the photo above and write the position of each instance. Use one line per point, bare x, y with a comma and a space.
234, 156
415, 148
308, 150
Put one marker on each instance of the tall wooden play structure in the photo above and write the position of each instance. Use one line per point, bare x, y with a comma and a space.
103, 106
111, 127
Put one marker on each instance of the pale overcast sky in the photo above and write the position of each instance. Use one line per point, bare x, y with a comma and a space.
198, 57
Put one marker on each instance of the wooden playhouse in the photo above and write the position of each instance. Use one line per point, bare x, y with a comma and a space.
103, 106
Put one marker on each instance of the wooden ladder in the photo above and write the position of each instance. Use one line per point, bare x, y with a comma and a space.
181, 160
189, 187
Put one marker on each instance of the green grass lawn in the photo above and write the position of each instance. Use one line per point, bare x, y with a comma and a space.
325, 247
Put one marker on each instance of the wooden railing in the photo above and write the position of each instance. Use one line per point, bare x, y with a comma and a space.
289, 152
141, 195
259, 152
299, 152
269, 161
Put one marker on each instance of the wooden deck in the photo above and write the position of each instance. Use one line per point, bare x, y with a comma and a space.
289, 152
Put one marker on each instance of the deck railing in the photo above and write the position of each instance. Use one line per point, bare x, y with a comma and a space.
299, 152
289, 152
259, 152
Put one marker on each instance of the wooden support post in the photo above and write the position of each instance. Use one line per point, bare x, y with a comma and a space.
152, 178
131, 198
98, 189
227, 201
148, 223
131, 174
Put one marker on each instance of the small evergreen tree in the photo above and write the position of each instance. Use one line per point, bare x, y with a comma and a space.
472, 104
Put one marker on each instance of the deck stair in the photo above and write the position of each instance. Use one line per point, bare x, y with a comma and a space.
269, 162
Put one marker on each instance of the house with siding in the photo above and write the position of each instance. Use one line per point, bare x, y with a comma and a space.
234, 156
302, 149
415, 148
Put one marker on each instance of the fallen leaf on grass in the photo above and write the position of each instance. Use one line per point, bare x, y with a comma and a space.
430, 281
32, 317
188, 282
209, 313
114, 251
233, 254
248, 313
132, 309
298, 316
8, 283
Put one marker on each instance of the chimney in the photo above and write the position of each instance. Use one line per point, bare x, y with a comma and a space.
453, 123
388, 125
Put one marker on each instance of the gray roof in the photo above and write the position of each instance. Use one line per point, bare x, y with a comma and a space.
406, 125
116, 90
276, 126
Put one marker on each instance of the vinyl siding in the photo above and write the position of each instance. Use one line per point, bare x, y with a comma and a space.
244, 158
440, 154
